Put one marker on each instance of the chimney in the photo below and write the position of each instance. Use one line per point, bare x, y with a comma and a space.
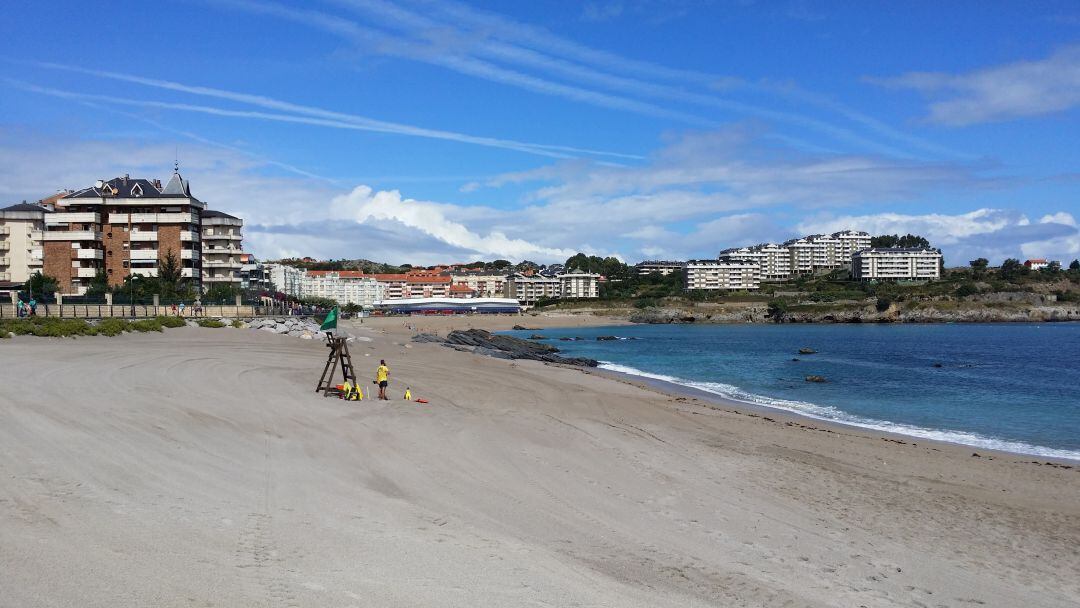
125, 178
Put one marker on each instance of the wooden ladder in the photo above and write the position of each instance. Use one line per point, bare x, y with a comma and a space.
339, 357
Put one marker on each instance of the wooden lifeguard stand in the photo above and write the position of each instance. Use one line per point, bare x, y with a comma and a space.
339, 357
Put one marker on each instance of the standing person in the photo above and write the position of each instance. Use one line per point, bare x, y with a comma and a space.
174, 309
21, 308
181, 309
382, 376
33, 306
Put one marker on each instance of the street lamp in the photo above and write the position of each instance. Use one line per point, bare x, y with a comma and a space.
131, 291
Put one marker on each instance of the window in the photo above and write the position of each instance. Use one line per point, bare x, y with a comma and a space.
137, 190
125, 246
125, 263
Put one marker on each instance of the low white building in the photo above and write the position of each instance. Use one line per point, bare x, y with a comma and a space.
343, 286
729, 275
579, 285
661, 267
896, 264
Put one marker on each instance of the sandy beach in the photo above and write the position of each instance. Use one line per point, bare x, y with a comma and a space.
198, 468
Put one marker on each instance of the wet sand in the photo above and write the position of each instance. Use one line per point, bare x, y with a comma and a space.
199, 468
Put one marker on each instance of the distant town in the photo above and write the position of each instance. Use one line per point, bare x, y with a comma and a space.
101, 239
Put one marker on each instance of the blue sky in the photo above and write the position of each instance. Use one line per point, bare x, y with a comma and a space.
430, 131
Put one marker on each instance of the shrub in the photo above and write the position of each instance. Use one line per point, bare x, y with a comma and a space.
237, 323
883, 304
210, 323
645, 303
112, 327
966, 289
171, 322
145, 325
48, 327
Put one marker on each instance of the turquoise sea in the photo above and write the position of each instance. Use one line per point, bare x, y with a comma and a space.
1013, 387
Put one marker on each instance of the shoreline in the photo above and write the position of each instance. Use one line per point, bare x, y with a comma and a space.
649, 381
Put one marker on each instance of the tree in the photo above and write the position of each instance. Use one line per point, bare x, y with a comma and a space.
501, 264
99, 285
221, 293
1075, 265
892, 240
777, 310
978, 267
1011, 268
1052, 268
169, 270
41, 285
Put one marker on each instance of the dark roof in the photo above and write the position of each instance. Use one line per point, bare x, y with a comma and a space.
214, 213
124, 186
25, 207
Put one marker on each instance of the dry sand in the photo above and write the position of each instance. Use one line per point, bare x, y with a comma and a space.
198, 468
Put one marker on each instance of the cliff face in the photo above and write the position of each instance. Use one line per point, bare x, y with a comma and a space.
918, 312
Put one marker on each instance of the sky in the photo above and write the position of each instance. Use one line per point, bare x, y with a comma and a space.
439, 131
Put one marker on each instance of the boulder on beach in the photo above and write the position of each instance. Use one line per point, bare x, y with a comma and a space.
512, 348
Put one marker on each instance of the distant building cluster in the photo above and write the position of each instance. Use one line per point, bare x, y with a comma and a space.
456, 282
745, 268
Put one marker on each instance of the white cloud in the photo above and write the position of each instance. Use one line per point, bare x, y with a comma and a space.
1023, 88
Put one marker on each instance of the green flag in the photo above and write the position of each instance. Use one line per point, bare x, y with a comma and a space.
330, 322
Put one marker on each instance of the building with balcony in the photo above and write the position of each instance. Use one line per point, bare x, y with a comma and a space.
896, 264
284, 279
122, 227
726, 275
222, 248
21, 253
342, 286
485, 284
578, 284
660, 267
528, 289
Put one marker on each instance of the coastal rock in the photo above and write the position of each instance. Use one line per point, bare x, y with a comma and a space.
807, 351
606, 338
432, 338
523, 328
512, 348
816, 379
537, 337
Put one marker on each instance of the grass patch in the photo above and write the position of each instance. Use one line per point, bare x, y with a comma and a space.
112, 327
210, 323
171, 322
237, 323
47, 327
144, 325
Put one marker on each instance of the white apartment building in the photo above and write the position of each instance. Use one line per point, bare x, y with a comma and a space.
21, 253
528, 289
661, 267
775, 263
896, 264
578, 284
285, 279
825, 253
342, 286
850, 242
222, 249
728, 275
801, 252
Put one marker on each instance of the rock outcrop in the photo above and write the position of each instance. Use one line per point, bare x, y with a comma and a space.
296, 327
508, 347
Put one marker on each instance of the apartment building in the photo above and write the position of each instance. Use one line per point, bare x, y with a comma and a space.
253, 274
730, 275
222, 248
896, 264
825, 253
801, 253
528, 289
775, 262
21, 253
578, 284
850, 242
485, 284
343, 286
661, 267
284, 279
123, 227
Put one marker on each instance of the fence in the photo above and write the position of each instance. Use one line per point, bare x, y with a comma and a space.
98, 311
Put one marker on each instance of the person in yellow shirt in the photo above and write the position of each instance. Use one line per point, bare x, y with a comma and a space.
382, 377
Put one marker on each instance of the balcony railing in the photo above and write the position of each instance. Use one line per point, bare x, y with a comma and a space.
143, 236
35, 235
220, 279
5, 276
187, 254
222, 237
75, 217
220, 264
5, 230
189, 235
86, 273
4, 245
5, 262
144, 254
153, 218
89, 254
71, 235
145, 272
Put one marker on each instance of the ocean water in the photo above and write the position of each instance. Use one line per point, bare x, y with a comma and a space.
1013, 387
